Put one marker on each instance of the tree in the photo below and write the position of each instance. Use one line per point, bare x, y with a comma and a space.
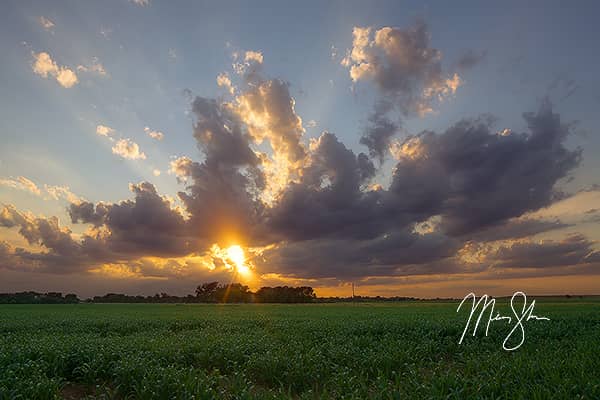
207, 291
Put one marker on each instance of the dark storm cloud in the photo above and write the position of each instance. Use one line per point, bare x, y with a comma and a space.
41, 231
221, 198
345, 258
145, 226
220, 136
63, 253
515, 229
379, 131
328, 199
476, 178
477, 181
573, 250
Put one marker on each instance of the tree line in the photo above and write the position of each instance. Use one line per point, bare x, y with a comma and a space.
215, 292
38, 298
211, 292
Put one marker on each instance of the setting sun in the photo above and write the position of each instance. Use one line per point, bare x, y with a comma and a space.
236, 254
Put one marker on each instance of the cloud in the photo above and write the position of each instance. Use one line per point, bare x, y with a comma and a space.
145, 226
156, 172
254, 56
327, 200
63, 252
46, 23
379, 131
142, 3
573, 250
62, 192
407, 73
250, 66
104, 130
464, 200
125, 147
455, 205
221, 197
128, 149
223, 80
181, 167
154, 134
21, 183
44, 66
474, 177
268, 112
95, 67
54, 192
401, 64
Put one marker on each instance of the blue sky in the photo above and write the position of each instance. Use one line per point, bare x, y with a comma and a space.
153, 53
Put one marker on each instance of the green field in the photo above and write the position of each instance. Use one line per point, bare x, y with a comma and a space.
390, 351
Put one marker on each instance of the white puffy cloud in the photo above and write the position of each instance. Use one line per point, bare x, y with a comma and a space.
180, 167
44, 66
128, 149
154, 134
104, 130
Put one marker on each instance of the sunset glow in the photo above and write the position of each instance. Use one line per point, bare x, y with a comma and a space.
363, 146
236, 254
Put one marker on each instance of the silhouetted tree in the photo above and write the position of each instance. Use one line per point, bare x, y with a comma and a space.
207, 292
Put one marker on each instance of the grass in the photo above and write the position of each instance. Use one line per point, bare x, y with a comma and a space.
317, 351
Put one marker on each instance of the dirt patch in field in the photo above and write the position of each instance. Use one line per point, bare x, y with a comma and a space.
73, 391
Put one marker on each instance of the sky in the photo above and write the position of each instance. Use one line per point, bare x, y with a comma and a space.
421, 149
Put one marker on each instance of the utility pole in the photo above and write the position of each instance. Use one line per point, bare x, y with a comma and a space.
352, 290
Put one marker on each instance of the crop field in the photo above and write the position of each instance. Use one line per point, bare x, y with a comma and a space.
402, 350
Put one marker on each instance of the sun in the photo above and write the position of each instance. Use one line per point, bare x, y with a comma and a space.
236, 254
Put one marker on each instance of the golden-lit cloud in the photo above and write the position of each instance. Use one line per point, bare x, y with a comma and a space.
21, 183
154, 134
62, 192
268, 111
128, 149
180, 167
104, 130
53, 192
223, 80
407, 74
44, 66
255, 56
401, 62
412, 148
